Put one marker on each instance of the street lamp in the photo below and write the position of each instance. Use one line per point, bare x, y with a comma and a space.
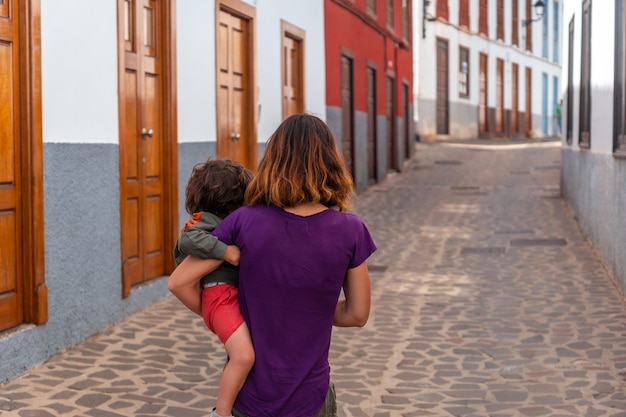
539, 6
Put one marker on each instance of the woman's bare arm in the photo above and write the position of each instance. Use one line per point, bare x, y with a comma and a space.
184, 282
354, 309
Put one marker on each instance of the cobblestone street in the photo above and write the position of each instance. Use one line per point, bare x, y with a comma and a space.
487, 302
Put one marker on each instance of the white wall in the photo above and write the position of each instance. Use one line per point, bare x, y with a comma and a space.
602, 73
196, 64
79, 71
308, 16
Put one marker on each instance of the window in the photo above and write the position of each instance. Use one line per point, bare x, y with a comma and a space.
556, 38
569, 113
500, 20
514, 23
529, 28
464, 17
442, 9
483, 23
370, 6
620, 78
390, 15
464, 72
584, 139
406, 12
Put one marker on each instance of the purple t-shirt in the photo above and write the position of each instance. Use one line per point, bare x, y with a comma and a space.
290, 277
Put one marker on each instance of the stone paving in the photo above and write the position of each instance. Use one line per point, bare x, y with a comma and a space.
487, 302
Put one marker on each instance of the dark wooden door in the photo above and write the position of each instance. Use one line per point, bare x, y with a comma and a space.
390, 106
529, 99
347, 112
515, 98
407, 119
371, 125
443, 103
499, 95
483, 109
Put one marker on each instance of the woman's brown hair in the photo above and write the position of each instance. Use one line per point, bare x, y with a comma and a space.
217, 186
301, 164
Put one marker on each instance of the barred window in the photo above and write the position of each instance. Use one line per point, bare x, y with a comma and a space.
584, 140
464, 72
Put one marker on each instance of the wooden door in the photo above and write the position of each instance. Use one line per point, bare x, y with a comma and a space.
236, 131
147, 144
23, 294
443, 103
515, 98
390, 105
407, 119
347, 112
499, 95
483, 109
292, 69
529, 100
371, 125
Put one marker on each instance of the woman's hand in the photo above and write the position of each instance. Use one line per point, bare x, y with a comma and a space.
354, 310
184, 282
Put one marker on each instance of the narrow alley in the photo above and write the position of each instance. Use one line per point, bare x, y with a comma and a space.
487, 302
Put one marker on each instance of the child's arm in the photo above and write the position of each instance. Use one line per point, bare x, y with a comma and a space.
184, 282
196, 239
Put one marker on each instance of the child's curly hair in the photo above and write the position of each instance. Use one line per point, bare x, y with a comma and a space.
217, 186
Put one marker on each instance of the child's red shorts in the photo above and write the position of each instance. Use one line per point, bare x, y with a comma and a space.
220, 310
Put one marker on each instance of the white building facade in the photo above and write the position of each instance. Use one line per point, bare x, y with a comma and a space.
594, 125
488, 69
106, 106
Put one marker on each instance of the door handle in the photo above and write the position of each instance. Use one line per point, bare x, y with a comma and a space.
235, 136
147, 132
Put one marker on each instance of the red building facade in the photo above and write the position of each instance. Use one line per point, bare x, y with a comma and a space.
369, 84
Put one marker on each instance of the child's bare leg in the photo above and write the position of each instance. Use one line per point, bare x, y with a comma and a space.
241, 358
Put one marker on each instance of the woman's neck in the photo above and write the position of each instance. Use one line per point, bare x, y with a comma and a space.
306, 209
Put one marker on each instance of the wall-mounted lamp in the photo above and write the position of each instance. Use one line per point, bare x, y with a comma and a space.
539, 6
426, 17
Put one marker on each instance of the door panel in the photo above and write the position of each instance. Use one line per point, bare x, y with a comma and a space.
236, 139
11, 289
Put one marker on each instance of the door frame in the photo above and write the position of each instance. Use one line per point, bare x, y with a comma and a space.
170, 127
247, 12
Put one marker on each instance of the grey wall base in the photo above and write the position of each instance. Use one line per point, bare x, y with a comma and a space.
593, 183
82, 257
